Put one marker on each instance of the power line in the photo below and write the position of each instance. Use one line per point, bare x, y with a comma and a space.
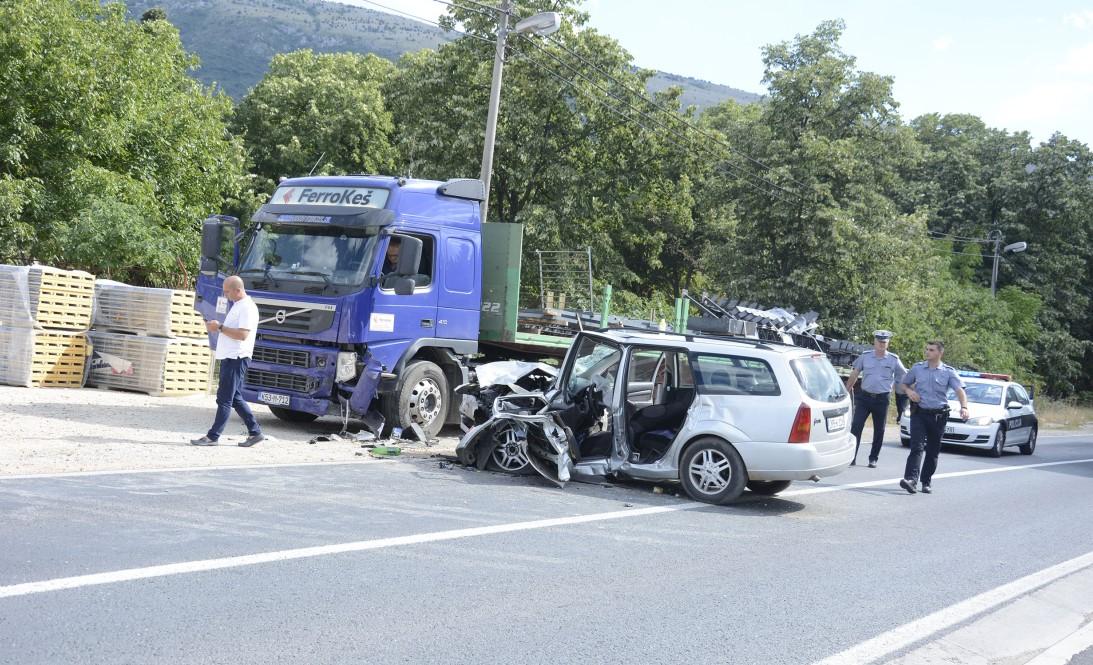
669, 112
956, 237
488, 14
425, 20
568, 83
639, 111
490, 8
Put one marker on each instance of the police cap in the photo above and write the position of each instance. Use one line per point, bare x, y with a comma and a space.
882, 335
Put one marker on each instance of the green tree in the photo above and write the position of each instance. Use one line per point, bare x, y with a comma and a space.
99, 117
321, 112
573, 162
816, 222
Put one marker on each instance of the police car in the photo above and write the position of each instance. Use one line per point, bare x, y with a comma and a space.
1000, 415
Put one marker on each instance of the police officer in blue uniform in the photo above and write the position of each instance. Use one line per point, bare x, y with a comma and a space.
927, 383
881, 371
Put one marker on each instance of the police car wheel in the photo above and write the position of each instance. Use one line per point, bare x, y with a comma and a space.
1030, 447
999, 442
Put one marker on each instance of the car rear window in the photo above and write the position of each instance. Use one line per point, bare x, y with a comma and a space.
733, 375
818, 378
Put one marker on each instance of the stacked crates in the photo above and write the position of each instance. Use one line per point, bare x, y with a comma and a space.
44, 316
149, 340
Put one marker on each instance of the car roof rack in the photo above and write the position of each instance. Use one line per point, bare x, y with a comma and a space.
688, 337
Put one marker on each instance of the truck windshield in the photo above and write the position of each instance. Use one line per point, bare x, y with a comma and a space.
323, 260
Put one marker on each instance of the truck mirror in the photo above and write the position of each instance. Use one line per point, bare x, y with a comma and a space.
409, 259
210, 240
209, 266
404, 286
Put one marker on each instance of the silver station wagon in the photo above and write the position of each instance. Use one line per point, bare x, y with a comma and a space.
718, 415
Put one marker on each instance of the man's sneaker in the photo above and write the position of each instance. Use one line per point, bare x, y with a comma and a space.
872, 464
203, 441
926, 489
251, 440
908, 485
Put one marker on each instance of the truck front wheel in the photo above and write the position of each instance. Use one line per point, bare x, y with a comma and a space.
421, 398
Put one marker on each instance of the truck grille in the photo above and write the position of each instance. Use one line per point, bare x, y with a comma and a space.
290, 357
311, 321
258, 378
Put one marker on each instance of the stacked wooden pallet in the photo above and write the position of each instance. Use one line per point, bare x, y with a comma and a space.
153, 365
145, 311
44, 313
148, 340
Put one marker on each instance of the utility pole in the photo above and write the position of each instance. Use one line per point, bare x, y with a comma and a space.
996, 236
495, 101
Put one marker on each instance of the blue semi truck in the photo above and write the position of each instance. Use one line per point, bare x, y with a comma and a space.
343, 334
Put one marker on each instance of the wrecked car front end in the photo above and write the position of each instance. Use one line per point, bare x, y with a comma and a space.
523, 430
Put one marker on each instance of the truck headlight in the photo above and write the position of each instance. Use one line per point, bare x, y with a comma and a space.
347, 366
980, 421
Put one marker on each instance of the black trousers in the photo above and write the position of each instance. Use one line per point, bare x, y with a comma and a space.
926, 430
865, 405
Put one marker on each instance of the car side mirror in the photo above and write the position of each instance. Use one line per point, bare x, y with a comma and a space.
409, 259
1014, 405
404, 286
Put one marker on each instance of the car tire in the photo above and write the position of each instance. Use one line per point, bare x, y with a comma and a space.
507, 456
421, 398
291, 415
1030, 447
768, 487
999, 442
712, 471
906, 443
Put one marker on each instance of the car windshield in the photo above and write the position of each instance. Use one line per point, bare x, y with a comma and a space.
980, 393
818, 378
596, 362
308, 258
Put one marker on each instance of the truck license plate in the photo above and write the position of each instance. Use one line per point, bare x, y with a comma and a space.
836, 423
273, 398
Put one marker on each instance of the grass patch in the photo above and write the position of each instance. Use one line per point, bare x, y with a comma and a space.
1064, 414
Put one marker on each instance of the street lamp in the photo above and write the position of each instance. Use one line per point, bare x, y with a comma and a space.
543, 23
1012, 247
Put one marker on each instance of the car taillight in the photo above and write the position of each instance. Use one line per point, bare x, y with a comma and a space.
802, 425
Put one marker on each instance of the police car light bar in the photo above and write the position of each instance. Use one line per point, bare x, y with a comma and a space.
983, 375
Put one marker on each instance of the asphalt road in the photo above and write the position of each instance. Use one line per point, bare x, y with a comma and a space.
415, 563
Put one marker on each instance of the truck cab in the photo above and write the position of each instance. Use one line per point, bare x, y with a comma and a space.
345, 328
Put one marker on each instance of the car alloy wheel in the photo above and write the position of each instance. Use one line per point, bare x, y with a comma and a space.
712, 471
999, 442
1030, 447
508, 456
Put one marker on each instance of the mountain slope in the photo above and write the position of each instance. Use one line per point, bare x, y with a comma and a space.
236, 39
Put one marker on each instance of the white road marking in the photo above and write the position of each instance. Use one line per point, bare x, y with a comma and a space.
952, 474
78, 474
919, 629
1065, 650
415, 539
323, 550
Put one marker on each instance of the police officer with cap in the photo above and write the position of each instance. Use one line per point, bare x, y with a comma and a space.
881, 370
927, 383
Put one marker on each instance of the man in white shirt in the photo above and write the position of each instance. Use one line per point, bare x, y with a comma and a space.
234, 348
